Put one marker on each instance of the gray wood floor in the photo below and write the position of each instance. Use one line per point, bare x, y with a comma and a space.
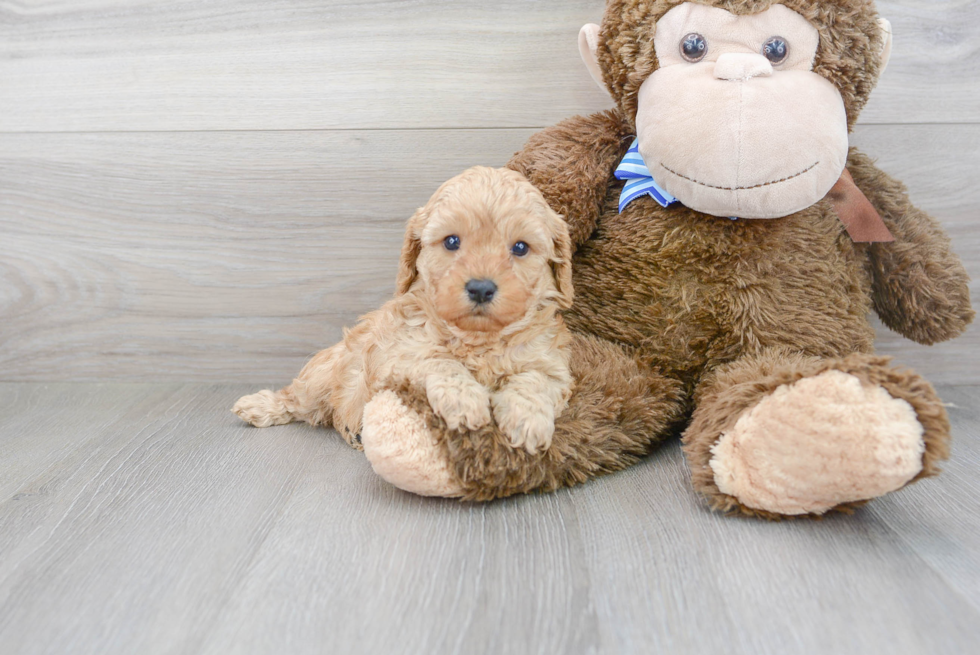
144, 518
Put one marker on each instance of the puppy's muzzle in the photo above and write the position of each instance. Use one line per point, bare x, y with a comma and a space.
481, 291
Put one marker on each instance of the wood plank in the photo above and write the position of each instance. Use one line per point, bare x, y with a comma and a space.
234, 256
691, 581
181, 249
35, 438
931, 77
182, 530
107, 65
148, 526
249, 65
941, 521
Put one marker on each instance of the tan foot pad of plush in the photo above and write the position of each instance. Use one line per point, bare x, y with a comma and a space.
817, 443
403, 451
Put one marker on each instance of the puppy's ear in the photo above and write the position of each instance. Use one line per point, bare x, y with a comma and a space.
411, 249
561, 262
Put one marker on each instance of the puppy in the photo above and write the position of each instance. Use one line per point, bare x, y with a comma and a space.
485, 268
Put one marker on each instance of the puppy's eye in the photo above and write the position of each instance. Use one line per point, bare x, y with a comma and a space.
520, 248
694, 47
451, 242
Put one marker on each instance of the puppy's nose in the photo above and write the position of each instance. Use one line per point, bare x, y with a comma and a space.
481, 291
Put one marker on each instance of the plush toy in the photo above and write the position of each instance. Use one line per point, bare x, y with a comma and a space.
729, 248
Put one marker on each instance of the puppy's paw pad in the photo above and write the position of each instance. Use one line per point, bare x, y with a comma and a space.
262, 409
461, 403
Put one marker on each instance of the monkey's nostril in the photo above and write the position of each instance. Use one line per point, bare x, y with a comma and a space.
740, 67
481, 291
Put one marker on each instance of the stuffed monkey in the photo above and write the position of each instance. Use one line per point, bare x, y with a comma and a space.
729, 248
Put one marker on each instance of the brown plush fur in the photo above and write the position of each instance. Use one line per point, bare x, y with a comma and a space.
508, 356
618, 412
691, 292
919, 287
729, 310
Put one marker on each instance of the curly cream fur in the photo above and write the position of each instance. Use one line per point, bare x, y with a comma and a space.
507, 359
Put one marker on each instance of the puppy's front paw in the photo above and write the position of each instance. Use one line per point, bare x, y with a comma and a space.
527, 423
262, 409
460, 402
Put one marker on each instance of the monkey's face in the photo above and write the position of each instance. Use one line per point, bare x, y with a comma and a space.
734, 122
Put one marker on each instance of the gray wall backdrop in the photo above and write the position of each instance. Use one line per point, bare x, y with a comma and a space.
211, 190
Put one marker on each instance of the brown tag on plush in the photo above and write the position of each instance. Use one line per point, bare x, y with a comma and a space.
861, 220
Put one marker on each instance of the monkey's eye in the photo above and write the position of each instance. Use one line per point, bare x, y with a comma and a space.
694, 47
451, 242
776, 49
520, 249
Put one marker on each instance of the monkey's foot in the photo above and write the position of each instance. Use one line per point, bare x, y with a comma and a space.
403, 450
818, 443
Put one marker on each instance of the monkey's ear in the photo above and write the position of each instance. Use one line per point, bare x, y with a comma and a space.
588, 42
886, 47
411, 249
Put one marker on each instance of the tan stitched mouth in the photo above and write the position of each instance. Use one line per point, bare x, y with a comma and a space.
739, 188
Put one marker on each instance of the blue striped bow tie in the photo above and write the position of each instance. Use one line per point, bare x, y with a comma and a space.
639, 181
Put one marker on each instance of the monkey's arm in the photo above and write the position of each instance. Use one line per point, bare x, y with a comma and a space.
920, 288
572, 164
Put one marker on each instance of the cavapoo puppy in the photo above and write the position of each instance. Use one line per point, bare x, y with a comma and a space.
475, 322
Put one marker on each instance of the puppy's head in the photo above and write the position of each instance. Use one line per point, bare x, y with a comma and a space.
486, 249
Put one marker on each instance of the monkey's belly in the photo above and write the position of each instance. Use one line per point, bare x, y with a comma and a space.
693, 291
